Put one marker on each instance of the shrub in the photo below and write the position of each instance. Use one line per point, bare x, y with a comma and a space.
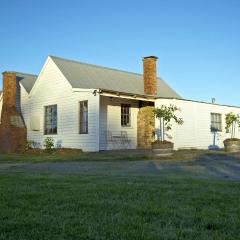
48, 143
29, 145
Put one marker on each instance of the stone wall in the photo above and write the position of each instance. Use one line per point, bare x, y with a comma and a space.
145, 127
13, 134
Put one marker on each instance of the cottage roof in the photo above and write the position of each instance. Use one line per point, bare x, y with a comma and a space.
83, 75
89, 76
27, 80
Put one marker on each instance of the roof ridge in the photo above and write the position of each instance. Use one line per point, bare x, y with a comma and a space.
98, 66
27, 74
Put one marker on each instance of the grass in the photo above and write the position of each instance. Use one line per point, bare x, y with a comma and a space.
102, 156
112, 201
45, 157
53, 206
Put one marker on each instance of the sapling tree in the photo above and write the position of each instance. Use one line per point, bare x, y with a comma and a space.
166, 114
232, 120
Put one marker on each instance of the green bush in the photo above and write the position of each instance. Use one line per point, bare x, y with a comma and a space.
48, 143
29, 145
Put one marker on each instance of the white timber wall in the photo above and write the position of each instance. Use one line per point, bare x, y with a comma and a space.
196, 131
52, 88
110, 120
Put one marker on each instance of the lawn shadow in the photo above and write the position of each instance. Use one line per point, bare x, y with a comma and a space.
222, 165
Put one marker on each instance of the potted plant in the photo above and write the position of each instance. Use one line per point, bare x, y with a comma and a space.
165, 114
232, 144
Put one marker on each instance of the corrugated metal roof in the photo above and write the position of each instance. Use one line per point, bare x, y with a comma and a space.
83, 75
27, 80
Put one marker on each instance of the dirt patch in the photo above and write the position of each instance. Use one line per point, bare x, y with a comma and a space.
56, 151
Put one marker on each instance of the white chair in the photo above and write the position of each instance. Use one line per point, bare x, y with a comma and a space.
109, 138
125, 139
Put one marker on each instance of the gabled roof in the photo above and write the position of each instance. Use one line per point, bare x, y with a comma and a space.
27, 80
82, 75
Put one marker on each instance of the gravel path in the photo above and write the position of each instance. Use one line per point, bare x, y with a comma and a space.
206, 167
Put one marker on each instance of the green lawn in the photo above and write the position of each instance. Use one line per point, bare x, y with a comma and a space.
56, 157
52, 205
102, 156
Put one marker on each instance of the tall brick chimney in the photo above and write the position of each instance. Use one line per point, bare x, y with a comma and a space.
13, 134
150, 75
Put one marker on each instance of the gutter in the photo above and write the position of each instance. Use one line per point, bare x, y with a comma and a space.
196, 101
111, 93
131, 95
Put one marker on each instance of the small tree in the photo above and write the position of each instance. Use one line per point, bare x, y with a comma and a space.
231, 121
165, 115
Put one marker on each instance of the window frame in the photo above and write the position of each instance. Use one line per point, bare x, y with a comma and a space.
216, 123
45, 107
125, 114
80, 122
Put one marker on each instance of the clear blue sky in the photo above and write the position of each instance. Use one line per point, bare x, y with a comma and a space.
197, 42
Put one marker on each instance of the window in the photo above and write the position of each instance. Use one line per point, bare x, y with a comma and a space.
125, 115
216, 122
50, 120
83, 117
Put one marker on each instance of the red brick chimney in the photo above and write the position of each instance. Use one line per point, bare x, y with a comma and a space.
13, 133
150, 75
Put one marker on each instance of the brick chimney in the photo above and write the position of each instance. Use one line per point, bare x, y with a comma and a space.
150, 75
13, 134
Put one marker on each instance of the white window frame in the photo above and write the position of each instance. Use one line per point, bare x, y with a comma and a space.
216, 122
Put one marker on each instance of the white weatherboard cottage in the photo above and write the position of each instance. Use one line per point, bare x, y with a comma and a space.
96, 108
